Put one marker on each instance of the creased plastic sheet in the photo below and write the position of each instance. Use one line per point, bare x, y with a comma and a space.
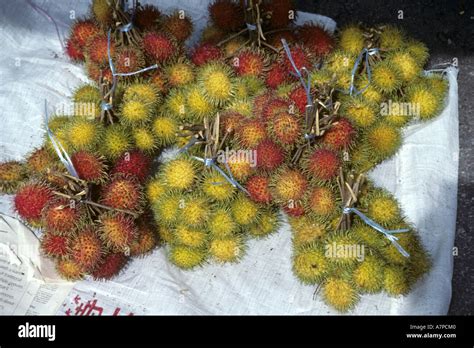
423, 176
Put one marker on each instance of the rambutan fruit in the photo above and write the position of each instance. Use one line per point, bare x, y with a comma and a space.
391, 38
362, 113
250, 134
242, 106
340, 294
426, 100
185, 257
249, 62
418, 50
368, 91
82, 31
276, 75
321, 201
73, 51
298, 96
336, 245
231, 120
179, 173
437, 83
158, 80
146, 17
221, 223
215, 80
361, 159
274, 107
30, 200
274, 39
247, 86
165, 130
89, 166
198, 105
406, 240
84, 97
83, 133
69, 269
116, 140
370, 237
268, 222
194, 210
145, 241
117, 230
283, 91
406, 64
227, 15
288, 186
166, 208
244, 210
383, 141
285, 129
12, 174
61, 216
141, 92
229, 249
340, 135
340, 61
155, 189
135, 113
258, 188
205, 53
102, 10
189, 236
134, 163
123, 192
178, 25
159, 46
86, 249
128, 59
316, 39
309, 264
259, 103
386, 76
269, 155
97, 51
180, 73
322, 164
294, 209
110, 265
216, 187
395, 282
96, 72
239, 168
175, 103
144, 139
306, 230
278, 13
300, 59
351, 39
54, 245
369, 275
395, 114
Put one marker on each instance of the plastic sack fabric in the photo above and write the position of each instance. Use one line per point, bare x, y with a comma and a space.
422, 175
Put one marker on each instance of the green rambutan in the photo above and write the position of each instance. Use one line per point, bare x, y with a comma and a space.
407, 240
386, 76
221, 224
62, 216
117, 231
69, 269
395, 282
185, 257
30, 200
12, 174
391, 38
426, 100
383, 141
361, 158
84, 97
359, 111
288, 186
89, 166
258, 188
216, 187
306, 230
145, 241
189, 236
135, 113
178, 25
116, 140
370, 237
179, 173
322, 164
165, 130
215, 80
437, 83
123, 192
180, 73
340, 294
418, 50
382, 207
134, 163
175, 104
110, 265
340, 62
229, 249
285, 129
269, 155
368, 91
198, 105
102, 10
142, 92
159, 47
54, 245
83, 133
227, 15
247, 86
86, 249
155, 189
244, 211
194, 210
340, 135
316, 39
206, 53
268, 222
406, 64
166, 208
309, 264
146, 17
144, 139
352, 40
278, 13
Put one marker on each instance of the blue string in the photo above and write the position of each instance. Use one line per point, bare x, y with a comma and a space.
62, 154
365, 53
387, 233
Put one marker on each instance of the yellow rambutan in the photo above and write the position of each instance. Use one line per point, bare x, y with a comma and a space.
382, 207
418, 50
165, 129
179, 73
369, 274
340, 294
309, 264
351, 39
166, 208
268, 222
391, 38
395, 282
229, 249
406, 64
135, 112
216, 187
189, 236
175, 104
386, 76
361, 112
198, 106
215, 80
383, 140
221, 224
244, 210
306, 230
144, 139
179, 173
155, 189
83, 133
185, 257
115, 141
428, 102
194, 210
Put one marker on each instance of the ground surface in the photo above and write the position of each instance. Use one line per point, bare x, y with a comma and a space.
447, 27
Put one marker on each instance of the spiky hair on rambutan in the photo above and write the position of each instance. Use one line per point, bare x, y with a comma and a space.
146, 17
352, 39
251, 62
179, 73
310, 265
274, 107
179, 173
90, 94
269, 155
12, 174
321, 202
221, 223
276, 76
117, 230
258, 187
115, 141
383, 141
229, 249
110, 266
391, 38
198, 104
341, 135
134, 163
285, 129
83, 133
316, 39
82, 31
86, 248
141, 92
250, 133
103, 11
134, 113
307, 230
278, 13
159, 47
123, 192
300, 56
359, 111
299, 98
212, 35
274, 39
386, 76
164, 130
406, 64
128, 59
178, 25
216, 187
340, 293
62, 216
417, 50
97, 49
288, 186
231, 120
205, 53
186, 257
244, 210
189, 236
55, 245
194, 210
89, 166
381, 206
216, 81
98, 73
145, 241
30, 200
428, 100
227, 15
321, 164
268, 222
69, 269
144, 139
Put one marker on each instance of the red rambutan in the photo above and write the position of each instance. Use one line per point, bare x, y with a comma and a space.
123, 193
275, 107
227, 15
249, 62
275, 38
316, 39
276, 76
61, 216
128, 59
250, 134
231, 120
179, 26
73, 51
82, 31
145, 241
117, 231
69, 269
298, 96
300, 58
30, 201
95, 72
269, 155
205, 53
340, 135
97, 50
285, 129
295, 209
257, 186
158, 46
323, 164
89, 167
110, 266
134, 163
54, 245
259, 103
86, 249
